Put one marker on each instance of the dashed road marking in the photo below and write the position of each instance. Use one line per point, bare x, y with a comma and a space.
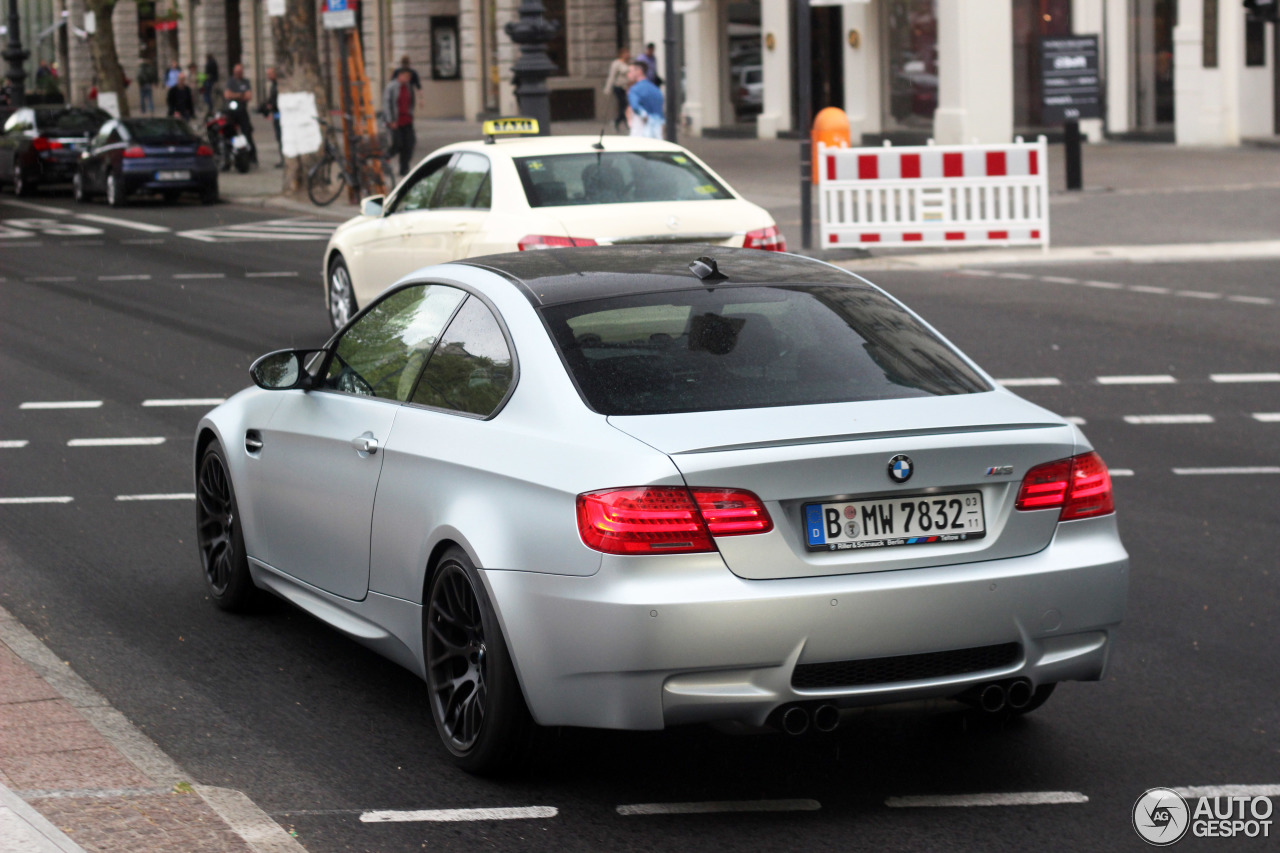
123, 223
1120, 472
62, 499
454, 815
1229, 791
1016, 276
189, 401
172, 496
1257, 469
1078, 421
1244, 377
62, 404
269, 229
1103, 285
284, 274
1025, 798
1159, 379
14, 443
200, 275
1029, 382
1198, 294
1058, 279
142, 441
1252, 300
51, 278
1168, 419
1267, 417
1148, 288
720, 806
141, 277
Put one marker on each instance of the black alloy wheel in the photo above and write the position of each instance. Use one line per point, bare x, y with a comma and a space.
218, 534
475, 697
342, 297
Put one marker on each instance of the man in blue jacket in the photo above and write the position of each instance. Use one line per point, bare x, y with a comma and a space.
645, 103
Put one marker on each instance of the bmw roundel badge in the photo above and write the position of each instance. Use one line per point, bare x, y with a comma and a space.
900, 468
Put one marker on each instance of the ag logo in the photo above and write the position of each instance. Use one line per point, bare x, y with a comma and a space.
1161, 817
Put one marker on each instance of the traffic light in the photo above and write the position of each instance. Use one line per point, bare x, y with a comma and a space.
1263, 10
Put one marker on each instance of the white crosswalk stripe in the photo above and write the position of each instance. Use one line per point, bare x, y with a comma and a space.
270, 229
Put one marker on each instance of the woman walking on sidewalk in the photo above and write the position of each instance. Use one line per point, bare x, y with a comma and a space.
616, 82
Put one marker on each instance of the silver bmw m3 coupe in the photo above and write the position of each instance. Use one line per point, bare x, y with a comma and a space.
639, 487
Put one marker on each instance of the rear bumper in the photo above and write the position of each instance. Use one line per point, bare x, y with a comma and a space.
649, 642
138, 178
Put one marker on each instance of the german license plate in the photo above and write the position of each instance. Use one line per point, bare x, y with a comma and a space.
173, 176
887, 522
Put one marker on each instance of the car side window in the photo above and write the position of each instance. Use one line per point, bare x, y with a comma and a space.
470, 370
462, 186
20, 121
422, 186
381, 354
100, 138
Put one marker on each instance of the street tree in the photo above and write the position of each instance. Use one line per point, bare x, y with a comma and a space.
298, 70
110, 75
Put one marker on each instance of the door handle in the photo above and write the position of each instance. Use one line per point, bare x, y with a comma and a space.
365, 444
253, 441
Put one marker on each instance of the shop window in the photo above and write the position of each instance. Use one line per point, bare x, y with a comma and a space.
911, 69
1255, 43
1033, 20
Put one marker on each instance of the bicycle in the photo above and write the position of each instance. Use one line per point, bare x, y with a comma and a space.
326, 179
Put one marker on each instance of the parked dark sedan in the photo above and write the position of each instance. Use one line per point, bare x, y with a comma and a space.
136, 156
42, 145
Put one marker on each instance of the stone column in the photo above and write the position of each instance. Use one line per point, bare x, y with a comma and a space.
704, 56
776, 61
975, 72
862, 69
1207, 100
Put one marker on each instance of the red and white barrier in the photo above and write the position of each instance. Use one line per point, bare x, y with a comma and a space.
940, 195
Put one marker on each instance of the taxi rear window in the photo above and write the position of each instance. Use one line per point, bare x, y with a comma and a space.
616, 177
751, 347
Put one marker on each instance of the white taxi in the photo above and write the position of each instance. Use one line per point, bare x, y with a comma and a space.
506, 194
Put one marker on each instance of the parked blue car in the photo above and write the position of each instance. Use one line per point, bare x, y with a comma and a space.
153, 156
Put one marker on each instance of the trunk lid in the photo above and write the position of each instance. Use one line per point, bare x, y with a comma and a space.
722, 222
793, 457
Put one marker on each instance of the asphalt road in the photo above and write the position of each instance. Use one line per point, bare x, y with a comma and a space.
317, 730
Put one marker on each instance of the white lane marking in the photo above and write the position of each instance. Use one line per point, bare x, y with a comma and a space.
1017, 276
1161, 379
141, 441
64, 499
14, 443
1147, 288
123, 223
1078, 421
269, 229
452, 815
1030, 381
39, 207
271, 275
1057, 279
51, 278
1198, 294
1121, 472
175, 496
190, 401
1168, 419
1267, 417
721, 806
1026, 798
200, 275
1251, 300
1244, 377
1194, 472
1229, 791
142, 277
63, 404
983, 273
1103, 285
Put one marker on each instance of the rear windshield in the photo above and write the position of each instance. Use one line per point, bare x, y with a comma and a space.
158, 131
79, 122
614, 177
751, 347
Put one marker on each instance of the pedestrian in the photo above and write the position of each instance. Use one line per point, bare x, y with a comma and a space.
616, 84
651, 64
397, 107
147, 78
240, 91
413, 75
645, 103
271, 109
210, 81
171, 76
178, 101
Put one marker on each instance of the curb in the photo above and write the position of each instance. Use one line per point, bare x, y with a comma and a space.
258, 831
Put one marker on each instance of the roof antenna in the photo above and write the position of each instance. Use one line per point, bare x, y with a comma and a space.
599, 143
705, 268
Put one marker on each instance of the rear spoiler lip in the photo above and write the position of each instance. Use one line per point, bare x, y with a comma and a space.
870, 436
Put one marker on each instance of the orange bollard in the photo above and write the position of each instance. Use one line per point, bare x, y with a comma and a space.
831, 128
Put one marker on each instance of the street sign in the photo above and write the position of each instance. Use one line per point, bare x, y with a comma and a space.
1070, 85
339, 14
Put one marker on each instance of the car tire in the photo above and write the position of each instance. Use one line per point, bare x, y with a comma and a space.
219, 535
21, 186
476, 702
78, 190
115, 192
209, 195
341, 293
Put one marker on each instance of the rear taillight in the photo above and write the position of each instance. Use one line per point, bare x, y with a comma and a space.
769, 239
204, 151
667, 519
134, 152
44, 143
551, 241
1079, 486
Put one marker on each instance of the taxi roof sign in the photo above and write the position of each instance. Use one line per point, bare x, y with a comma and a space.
510, 127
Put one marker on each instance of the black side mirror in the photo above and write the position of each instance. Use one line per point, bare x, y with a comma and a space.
281, 370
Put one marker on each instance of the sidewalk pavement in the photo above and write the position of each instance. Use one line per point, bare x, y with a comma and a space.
77, 777
1137, 197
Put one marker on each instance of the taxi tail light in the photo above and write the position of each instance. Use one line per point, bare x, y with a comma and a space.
1080, 487
770, 239
552, 241
44, 143
667, 519
133, 152
204, 151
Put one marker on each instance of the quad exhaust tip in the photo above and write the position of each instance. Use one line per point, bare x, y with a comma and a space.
1018, 694
795, 720
992, 698
826, 718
